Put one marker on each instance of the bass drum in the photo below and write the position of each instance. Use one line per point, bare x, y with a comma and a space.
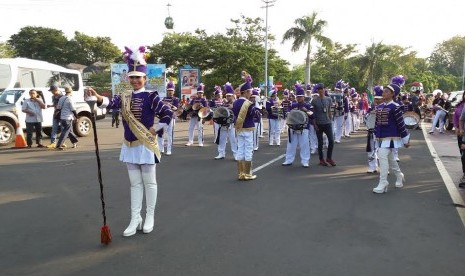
370, 120
223, 116
297, 120
411, 120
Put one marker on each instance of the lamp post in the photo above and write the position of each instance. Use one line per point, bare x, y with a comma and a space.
463, 72
268, 3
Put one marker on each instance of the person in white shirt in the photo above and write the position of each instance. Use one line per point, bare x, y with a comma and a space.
33, 109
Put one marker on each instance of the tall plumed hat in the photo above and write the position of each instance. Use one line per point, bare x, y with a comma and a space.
378, 92
218, 90
170, 86
354, 95
200, 88
340, 85
299, 90
309, 87
317, 87
247, 85
286, 92
229, 89
135, 58
256, 92
396, 83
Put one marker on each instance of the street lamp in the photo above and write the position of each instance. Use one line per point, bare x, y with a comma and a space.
268, 3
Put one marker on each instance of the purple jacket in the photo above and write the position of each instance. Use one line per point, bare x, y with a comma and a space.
389, 121
458, 111
145, 106
248, 122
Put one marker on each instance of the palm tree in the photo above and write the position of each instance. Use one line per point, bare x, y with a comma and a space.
369, 63
306, 29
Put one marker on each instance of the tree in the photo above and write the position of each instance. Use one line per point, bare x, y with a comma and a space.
6, 51
371, 62
447, 57
40, 43
306, 29
84, 49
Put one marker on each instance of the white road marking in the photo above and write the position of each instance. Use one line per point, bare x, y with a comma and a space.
268, 163
450, 185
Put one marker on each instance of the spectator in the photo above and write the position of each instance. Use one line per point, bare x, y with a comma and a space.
68, 114
56, 121
33, 109
115, 117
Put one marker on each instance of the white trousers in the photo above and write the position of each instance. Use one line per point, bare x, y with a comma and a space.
313, 139
298, 139
348, 125
386, 162
338, 125
373, 156
195, 123
244, 145
274, 132
226, 133
168, 132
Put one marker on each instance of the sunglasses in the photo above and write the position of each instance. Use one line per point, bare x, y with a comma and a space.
135, 77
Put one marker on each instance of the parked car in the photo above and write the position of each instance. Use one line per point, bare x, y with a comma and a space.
454, 99
11, 115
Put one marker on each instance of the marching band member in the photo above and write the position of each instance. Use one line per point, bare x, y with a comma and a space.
311, 129
214, 103
244, 112
140, 149
195, 121
391, 133
225, 133
257, 119
299, 137
339, 111
274, 133
372, 147
285, 104
354, 110
347, 118
173, 102
323, 124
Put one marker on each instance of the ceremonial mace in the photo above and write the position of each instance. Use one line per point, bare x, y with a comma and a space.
105, 235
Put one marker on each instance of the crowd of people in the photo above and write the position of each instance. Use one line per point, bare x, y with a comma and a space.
314, 117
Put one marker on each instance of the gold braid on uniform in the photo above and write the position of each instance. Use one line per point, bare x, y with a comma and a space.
143, 135
241, 117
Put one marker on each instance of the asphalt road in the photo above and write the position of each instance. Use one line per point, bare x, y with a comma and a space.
289, 221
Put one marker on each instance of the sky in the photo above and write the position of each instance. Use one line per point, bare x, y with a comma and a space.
405, 23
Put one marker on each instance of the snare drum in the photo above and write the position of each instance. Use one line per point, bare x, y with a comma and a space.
411, 120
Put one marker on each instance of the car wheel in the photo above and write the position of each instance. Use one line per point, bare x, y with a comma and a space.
7, 133
48, 131
83, 126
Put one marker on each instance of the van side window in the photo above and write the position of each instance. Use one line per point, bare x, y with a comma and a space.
68, 79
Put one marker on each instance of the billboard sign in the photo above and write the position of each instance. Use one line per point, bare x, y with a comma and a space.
156, 74
189, 79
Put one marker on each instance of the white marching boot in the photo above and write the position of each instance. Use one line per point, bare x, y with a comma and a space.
150, 183
137, 192
381, 188
400, 180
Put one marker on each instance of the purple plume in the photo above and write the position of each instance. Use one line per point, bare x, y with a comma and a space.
142, 49
399, 80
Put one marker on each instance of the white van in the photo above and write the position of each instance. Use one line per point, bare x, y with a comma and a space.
19, 75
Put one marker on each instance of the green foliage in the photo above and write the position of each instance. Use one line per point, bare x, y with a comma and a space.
51, 45
6, 51
221, 57
40, 43
307, 28
86, 50
100, 81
